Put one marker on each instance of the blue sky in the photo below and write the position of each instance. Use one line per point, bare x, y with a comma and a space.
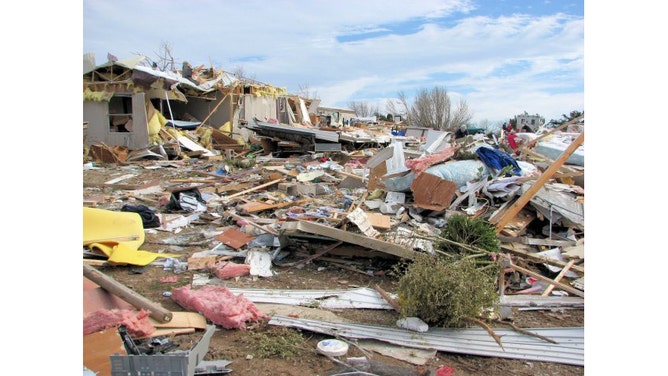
501, 57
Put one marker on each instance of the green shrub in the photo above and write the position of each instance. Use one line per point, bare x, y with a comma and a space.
458, 283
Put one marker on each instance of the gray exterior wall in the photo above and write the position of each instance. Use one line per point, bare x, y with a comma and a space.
98, 130
263, 107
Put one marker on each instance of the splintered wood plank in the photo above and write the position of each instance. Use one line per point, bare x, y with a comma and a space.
361, 240
558, 285
375, 177
544, 177
234, 238
515, 226
379, 221
168, 332
254, 207
182, 320
98, 346
255, 188
522, 250
558, 278
128, 187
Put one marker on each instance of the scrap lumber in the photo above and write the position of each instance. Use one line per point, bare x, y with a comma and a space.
354, 176
534, 241
379, 221
128, 187
250, 222
542, 259
182, 320
254, 207
98, 346
559, 285
254, 188
547, 175
349, 237
558, 278
234, 238
518, 223
388, 298
218, 105
111, 285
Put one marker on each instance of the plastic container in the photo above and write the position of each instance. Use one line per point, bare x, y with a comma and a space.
332, 347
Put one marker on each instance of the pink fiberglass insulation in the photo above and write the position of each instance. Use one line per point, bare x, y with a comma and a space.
418, 165
136, 322
219, 305
227, 270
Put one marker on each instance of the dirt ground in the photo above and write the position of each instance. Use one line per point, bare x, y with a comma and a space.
243, 350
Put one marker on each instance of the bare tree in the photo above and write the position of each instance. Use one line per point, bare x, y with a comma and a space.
398, 106
433, 109
239, 72
362, 109
305, 92
165, 59
462, 115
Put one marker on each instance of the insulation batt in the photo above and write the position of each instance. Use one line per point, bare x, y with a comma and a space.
136, 322
420, 164
219, 305
226, 270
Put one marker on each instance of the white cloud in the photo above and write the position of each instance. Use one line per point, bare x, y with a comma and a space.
297, 43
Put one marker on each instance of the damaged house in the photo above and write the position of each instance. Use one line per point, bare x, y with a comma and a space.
128, 103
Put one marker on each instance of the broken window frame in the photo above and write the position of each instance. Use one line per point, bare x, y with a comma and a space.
118, 110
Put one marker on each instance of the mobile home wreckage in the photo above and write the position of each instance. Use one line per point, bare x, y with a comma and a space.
132, 105
359, 199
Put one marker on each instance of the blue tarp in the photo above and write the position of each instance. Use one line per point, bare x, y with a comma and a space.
497, 159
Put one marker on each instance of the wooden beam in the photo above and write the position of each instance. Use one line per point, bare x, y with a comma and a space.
558, 278
250, 222
542, 259
534, 241
388, 298
111, 285
559, 285
547, 175
217, 105
361, 240
254, 188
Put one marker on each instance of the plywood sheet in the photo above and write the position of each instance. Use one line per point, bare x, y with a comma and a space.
379, 221
97, 347
234, 238
431, 192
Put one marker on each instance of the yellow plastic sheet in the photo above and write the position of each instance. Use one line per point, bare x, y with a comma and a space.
118, 235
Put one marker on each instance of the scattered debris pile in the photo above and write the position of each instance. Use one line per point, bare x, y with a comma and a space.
508, 223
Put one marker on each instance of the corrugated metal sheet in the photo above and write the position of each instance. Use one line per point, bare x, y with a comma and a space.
541, 301
362, 297
471, 341
262, 126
